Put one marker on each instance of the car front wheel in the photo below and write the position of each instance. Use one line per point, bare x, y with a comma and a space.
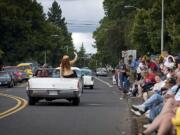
76, 101
11, 84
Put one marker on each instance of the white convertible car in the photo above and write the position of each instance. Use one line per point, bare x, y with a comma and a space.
53, 87
88, 80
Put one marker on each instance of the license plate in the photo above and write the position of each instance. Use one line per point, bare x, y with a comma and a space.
53, 93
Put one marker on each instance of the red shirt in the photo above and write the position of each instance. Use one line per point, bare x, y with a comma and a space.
152, 65
150, 78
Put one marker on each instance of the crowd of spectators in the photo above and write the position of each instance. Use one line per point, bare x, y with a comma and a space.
157, 81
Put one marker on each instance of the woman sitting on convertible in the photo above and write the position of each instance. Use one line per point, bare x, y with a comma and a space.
65, 67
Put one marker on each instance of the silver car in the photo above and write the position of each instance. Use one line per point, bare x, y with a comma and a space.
101, 72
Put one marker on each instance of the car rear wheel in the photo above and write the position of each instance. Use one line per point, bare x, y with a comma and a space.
76, 101
32, 101
91, 87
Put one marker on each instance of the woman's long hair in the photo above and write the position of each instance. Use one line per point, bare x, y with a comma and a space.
65, 63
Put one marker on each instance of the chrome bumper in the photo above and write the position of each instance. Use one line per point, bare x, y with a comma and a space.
55, 94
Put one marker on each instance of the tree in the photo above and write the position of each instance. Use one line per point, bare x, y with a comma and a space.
26, 34
55, 17
138, 28
82, 57
20, 23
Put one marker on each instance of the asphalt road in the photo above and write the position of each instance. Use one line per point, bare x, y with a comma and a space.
101, 112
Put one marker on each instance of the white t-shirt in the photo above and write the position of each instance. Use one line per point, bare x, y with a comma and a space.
172, 90
141, 68
167, 63
158, 86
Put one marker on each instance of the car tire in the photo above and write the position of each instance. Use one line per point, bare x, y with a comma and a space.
76, 101
11, 84
83, 89
91, 87
32, 101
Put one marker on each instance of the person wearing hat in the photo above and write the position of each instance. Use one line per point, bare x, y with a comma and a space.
65, 66
162, 123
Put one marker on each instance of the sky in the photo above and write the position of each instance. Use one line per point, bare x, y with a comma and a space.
82, 17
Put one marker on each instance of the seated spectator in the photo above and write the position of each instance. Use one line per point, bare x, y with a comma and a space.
162, 123
142, 67
169, 60
158, 85
152, 65
177, 66
156, 99
147, 83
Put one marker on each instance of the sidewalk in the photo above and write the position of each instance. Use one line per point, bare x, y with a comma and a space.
137, 121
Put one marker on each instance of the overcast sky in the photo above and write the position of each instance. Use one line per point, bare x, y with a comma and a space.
82, 17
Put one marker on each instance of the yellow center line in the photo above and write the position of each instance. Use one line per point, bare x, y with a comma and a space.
21, 103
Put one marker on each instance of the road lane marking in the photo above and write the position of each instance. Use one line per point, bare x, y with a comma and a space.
21, 103
108, 84
95, 104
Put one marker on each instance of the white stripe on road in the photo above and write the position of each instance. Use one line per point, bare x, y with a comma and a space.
95, 104
108, 84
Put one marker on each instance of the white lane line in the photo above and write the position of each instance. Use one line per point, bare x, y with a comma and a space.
121, 98
108, 84
95, 104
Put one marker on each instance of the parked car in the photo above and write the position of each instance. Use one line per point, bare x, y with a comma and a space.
6, 79
88, 79
53, 87
101, 72
19, 75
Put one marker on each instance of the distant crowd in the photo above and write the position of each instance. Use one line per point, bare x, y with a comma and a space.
157, 81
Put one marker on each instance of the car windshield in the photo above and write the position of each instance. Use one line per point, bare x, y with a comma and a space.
4, 75
24, 67
86, 72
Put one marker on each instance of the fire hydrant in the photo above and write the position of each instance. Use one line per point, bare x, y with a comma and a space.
176, 121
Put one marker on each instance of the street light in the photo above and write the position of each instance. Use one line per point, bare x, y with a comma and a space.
45, 53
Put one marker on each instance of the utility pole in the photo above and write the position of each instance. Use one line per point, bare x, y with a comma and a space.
45, 56
162, 27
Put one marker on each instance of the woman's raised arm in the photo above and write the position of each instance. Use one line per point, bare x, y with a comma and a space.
75, 59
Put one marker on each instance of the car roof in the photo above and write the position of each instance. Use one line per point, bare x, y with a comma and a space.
24, 64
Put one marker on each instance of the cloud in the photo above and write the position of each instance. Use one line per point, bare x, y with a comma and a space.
82, 17
86, 39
